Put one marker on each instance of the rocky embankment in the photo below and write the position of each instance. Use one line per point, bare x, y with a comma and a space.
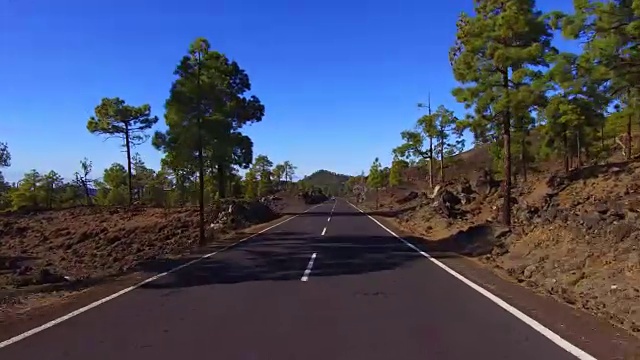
575, 236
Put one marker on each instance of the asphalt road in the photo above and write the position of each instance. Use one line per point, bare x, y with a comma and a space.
366, 295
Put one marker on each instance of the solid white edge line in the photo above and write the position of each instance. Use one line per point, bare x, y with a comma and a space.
557, 339
305, 276
133, 287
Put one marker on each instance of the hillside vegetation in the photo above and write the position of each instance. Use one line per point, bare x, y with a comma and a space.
329, 182
550, 193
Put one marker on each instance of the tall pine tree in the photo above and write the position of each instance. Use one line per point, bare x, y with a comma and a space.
496, 58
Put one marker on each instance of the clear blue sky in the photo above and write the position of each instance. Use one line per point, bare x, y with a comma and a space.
339, 79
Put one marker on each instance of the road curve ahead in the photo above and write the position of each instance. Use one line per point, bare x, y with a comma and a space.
328, 284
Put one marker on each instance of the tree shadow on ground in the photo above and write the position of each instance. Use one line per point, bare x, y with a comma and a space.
284, 256
73, 285
14, 262
381, 212
477, 240
38, 280
593, 171
9, 293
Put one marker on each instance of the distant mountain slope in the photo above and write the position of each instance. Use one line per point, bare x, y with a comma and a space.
327, 180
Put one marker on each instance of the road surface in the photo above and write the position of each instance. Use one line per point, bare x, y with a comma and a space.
328, 284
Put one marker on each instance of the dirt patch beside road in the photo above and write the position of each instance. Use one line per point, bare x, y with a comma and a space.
58, 256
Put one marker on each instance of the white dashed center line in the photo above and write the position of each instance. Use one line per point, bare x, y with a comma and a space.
331, 214
305, 276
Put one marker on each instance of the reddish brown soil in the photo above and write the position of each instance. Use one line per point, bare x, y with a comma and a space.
575, 237
46, 255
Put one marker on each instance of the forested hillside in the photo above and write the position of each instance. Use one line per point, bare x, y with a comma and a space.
329, 182
550, 192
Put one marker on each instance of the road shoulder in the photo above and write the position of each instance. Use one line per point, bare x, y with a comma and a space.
586, 331
51, 306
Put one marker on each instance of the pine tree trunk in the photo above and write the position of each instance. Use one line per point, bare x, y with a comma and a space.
127, 144
286, 177
629, 138
506, 135
523, 155
578, 150
222, 186
213, 177
565, 147
85, 185
201, 235
201, 183
587, 155
442, 161
229, 181
431, 162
